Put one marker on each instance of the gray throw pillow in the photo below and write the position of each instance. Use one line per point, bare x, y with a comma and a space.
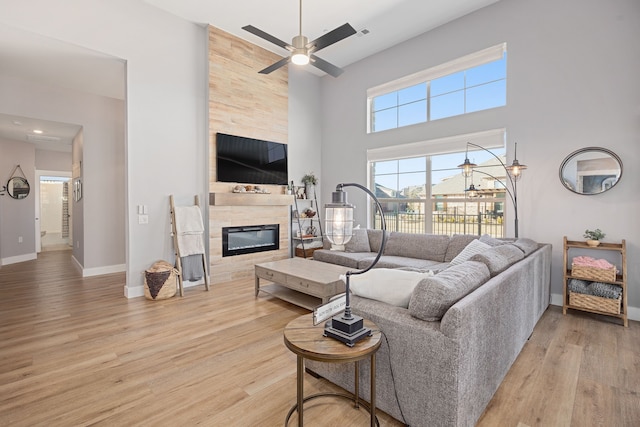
359, 241
433, 296
526, 245
491, 241
499, 258
456, 244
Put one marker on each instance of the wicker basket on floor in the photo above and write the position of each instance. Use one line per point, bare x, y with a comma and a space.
594, 303
594, 274
160, 281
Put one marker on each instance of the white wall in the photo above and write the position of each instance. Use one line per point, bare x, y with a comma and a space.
305, 126
98, 227
17, 217
572, 82
166, 120
53, 161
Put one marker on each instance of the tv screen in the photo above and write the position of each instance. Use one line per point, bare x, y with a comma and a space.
250, 161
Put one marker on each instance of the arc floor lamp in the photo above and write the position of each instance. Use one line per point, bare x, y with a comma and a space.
513, 172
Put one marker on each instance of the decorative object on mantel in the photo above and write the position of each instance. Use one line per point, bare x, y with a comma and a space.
513, 173
593, 237
250, 189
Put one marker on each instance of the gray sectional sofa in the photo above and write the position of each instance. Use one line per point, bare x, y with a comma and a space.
444, 355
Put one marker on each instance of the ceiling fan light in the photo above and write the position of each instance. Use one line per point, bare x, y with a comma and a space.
300, 58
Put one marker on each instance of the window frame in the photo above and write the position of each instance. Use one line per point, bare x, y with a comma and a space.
491, 139
493, 53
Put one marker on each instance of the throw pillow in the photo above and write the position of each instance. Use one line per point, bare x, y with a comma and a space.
526, 245
435, 295
359, 241
388, 285
499, 258
456, 244
475, 247
485, 238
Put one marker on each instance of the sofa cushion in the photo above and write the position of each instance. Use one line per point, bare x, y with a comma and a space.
388, 285
499, 258
375, 239
340, 258
359, 241
491, 241
390, 261
526, 245
456, 244
433, 296
474, 247
424, 246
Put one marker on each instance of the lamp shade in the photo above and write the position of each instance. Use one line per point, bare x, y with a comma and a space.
338, 219
467, 167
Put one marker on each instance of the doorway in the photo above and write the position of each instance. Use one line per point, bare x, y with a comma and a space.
53, 211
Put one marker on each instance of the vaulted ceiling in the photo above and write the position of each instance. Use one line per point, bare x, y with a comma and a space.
379, 24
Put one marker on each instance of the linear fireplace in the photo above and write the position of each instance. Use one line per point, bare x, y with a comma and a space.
250, 239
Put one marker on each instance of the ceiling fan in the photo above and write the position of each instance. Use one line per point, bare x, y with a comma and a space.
302, 50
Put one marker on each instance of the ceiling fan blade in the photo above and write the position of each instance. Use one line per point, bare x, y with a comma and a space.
268, 37
272, 68
325, 66
332, 37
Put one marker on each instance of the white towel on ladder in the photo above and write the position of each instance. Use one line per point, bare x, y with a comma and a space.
189, 227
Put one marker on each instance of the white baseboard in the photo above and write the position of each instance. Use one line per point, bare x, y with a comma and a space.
107, 269
633, 313
18, 258
138, 291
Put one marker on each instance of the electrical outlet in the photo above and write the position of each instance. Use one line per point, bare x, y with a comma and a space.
143, 219
19, 239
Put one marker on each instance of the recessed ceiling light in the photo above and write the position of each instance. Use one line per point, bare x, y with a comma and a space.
38, 131
17, 123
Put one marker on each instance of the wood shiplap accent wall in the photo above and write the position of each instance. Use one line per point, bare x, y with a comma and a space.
245, 103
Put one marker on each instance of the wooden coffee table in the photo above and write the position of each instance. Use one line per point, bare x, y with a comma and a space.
307, 342
300, 281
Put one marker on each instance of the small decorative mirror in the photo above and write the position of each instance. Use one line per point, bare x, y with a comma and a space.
18, 187
591, 170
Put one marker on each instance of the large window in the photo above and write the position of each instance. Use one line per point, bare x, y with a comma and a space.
472, 83
426, 194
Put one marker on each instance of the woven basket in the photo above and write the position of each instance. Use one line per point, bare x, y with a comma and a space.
594, 274
160, 281
307, 251
594, 303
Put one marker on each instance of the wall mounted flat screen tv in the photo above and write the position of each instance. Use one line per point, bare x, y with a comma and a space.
250, 161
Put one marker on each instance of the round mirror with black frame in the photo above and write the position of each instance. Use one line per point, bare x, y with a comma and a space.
18, 187
591, 170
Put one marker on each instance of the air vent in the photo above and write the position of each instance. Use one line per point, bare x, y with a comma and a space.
42, 138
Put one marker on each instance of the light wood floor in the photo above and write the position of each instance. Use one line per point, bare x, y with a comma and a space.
74, 351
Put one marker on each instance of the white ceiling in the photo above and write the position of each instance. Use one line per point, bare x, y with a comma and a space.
388, 22
52, 62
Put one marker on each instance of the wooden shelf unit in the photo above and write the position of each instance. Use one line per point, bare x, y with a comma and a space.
300, 224
620, 279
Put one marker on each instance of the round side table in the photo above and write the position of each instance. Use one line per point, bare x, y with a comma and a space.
306, 341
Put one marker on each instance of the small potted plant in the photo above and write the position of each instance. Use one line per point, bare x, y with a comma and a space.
308, 180
593, 237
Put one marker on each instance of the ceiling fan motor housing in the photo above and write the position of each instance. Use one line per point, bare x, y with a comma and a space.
300, 54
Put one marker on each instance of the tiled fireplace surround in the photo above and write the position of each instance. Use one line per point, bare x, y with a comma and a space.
237, 209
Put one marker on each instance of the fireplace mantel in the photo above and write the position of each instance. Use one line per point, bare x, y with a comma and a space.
250, 199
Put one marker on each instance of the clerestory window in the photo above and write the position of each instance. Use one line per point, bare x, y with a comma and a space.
472, 83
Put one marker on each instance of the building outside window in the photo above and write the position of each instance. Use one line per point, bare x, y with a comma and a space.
426, 194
